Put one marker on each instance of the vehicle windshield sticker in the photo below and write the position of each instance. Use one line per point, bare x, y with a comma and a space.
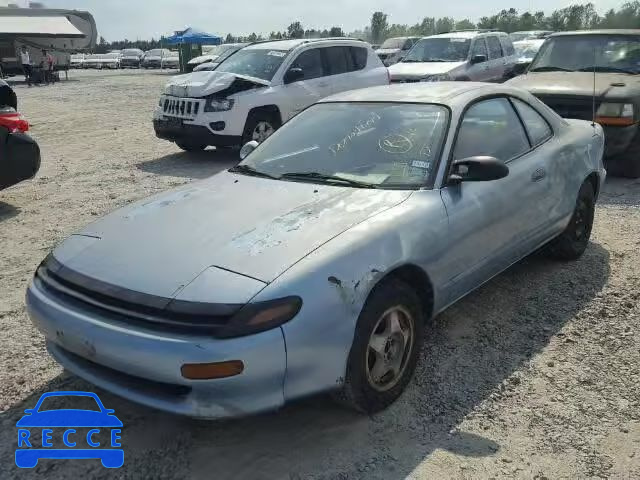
360, 128
420, 164
275, 53
395, 144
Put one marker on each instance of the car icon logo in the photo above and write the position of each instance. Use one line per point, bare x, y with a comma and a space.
91, 432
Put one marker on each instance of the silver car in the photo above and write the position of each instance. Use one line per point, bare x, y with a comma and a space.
314, 264
478, 55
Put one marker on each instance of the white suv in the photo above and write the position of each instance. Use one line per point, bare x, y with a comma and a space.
257, 89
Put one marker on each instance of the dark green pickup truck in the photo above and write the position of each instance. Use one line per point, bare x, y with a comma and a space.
562, 76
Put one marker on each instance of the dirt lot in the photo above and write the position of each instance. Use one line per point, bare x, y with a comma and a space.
536, 375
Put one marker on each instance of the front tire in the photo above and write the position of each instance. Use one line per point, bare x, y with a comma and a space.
385, 349
260, 126
573, 241
191, 147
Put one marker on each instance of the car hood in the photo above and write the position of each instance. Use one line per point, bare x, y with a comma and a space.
202, 58
578, 84
163, 243
411, 70
203, 83
69, 418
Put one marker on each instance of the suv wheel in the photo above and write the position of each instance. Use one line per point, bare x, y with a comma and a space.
260, 126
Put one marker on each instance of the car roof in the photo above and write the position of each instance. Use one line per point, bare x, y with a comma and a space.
447, 93
466, 34
610, 31
290, 44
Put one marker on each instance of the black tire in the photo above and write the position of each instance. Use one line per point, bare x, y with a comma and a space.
573, 241
190, 147
358, 391
254, 119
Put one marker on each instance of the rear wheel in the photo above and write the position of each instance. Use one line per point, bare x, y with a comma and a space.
385, 348
191, 147
573, 241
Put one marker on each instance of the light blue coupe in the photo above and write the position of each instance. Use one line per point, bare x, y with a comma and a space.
314, 264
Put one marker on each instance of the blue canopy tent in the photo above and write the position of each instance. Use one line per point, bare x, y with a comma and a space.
187, 39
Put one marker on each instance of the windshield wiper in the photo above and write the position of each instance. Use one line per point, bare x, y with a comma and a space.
247, 170
326, 177
607, 69
550, 69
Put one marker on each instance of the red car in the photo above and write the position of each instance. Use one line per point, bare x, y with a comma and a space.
19, 153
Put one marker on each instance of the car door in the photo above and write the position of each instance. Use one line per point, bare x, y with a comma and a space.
491, 223
496, 59
314, 85
479, 72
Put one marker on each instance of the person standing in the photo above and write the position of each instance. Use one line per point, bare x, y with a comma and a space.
47, 67
26, 64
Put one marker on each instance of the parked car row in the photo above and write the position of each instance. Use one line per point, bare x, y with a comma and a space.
128, 58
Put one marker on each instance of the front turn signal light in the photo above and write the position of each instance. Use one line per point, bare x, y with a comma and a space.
212, 371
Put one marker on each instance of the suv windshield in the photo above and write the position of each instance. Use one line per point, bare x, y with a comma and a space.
254, 62
393, 43
382, 145
439, 50
608, 53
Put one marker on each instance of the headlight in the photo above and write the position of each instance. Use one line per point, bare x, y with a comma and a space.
214, 104
439, 77
615, 114
261, 316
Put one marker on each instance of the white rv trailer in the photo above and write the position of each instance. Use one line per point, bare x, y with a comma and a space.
61, 32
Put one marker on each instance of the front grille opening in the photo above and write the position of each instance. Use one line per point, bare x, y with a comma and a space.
124, 311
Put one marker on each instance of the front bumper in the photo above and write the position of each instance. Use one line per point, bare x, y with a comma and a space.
196, 134
619, 139
143, 365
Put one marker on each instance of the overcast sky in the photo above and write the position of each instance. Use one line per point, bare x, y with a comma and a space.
143, 19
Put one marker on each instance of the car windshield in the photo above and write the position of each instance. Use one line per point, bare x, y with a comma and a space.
254, 62
439, 50
227, 52
154, 53
393, 43
381, 145
131, 53
604, 53
526, 50
62, 402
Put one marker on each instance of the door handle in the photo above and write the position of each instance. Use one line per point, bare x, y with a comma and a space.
538, 175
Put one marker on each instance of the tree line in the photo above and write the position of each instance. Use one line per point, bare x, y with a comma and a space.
574, 17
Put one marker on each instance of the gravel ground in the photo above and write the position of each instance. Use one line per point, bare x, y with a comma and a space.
534, 376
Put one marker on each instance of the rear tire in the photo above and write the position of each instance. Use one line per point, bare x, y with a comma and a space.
385, 351
190, 147
573, 241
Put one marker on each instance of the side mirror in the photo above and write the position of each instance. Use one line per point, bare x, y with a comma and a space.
293, 75
478, 59
478, 169
247, 148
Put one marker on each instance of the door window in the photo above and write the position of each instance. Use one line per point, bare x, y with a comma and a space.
536, 125
479, 48
507, 46
359, 55
491, 127
495, 49
310, 61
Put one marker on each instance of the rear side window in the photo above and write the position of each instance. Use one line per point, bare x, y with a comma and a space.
507, 46
310, 62
339, 60
495, 50
359, 55
536, 125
